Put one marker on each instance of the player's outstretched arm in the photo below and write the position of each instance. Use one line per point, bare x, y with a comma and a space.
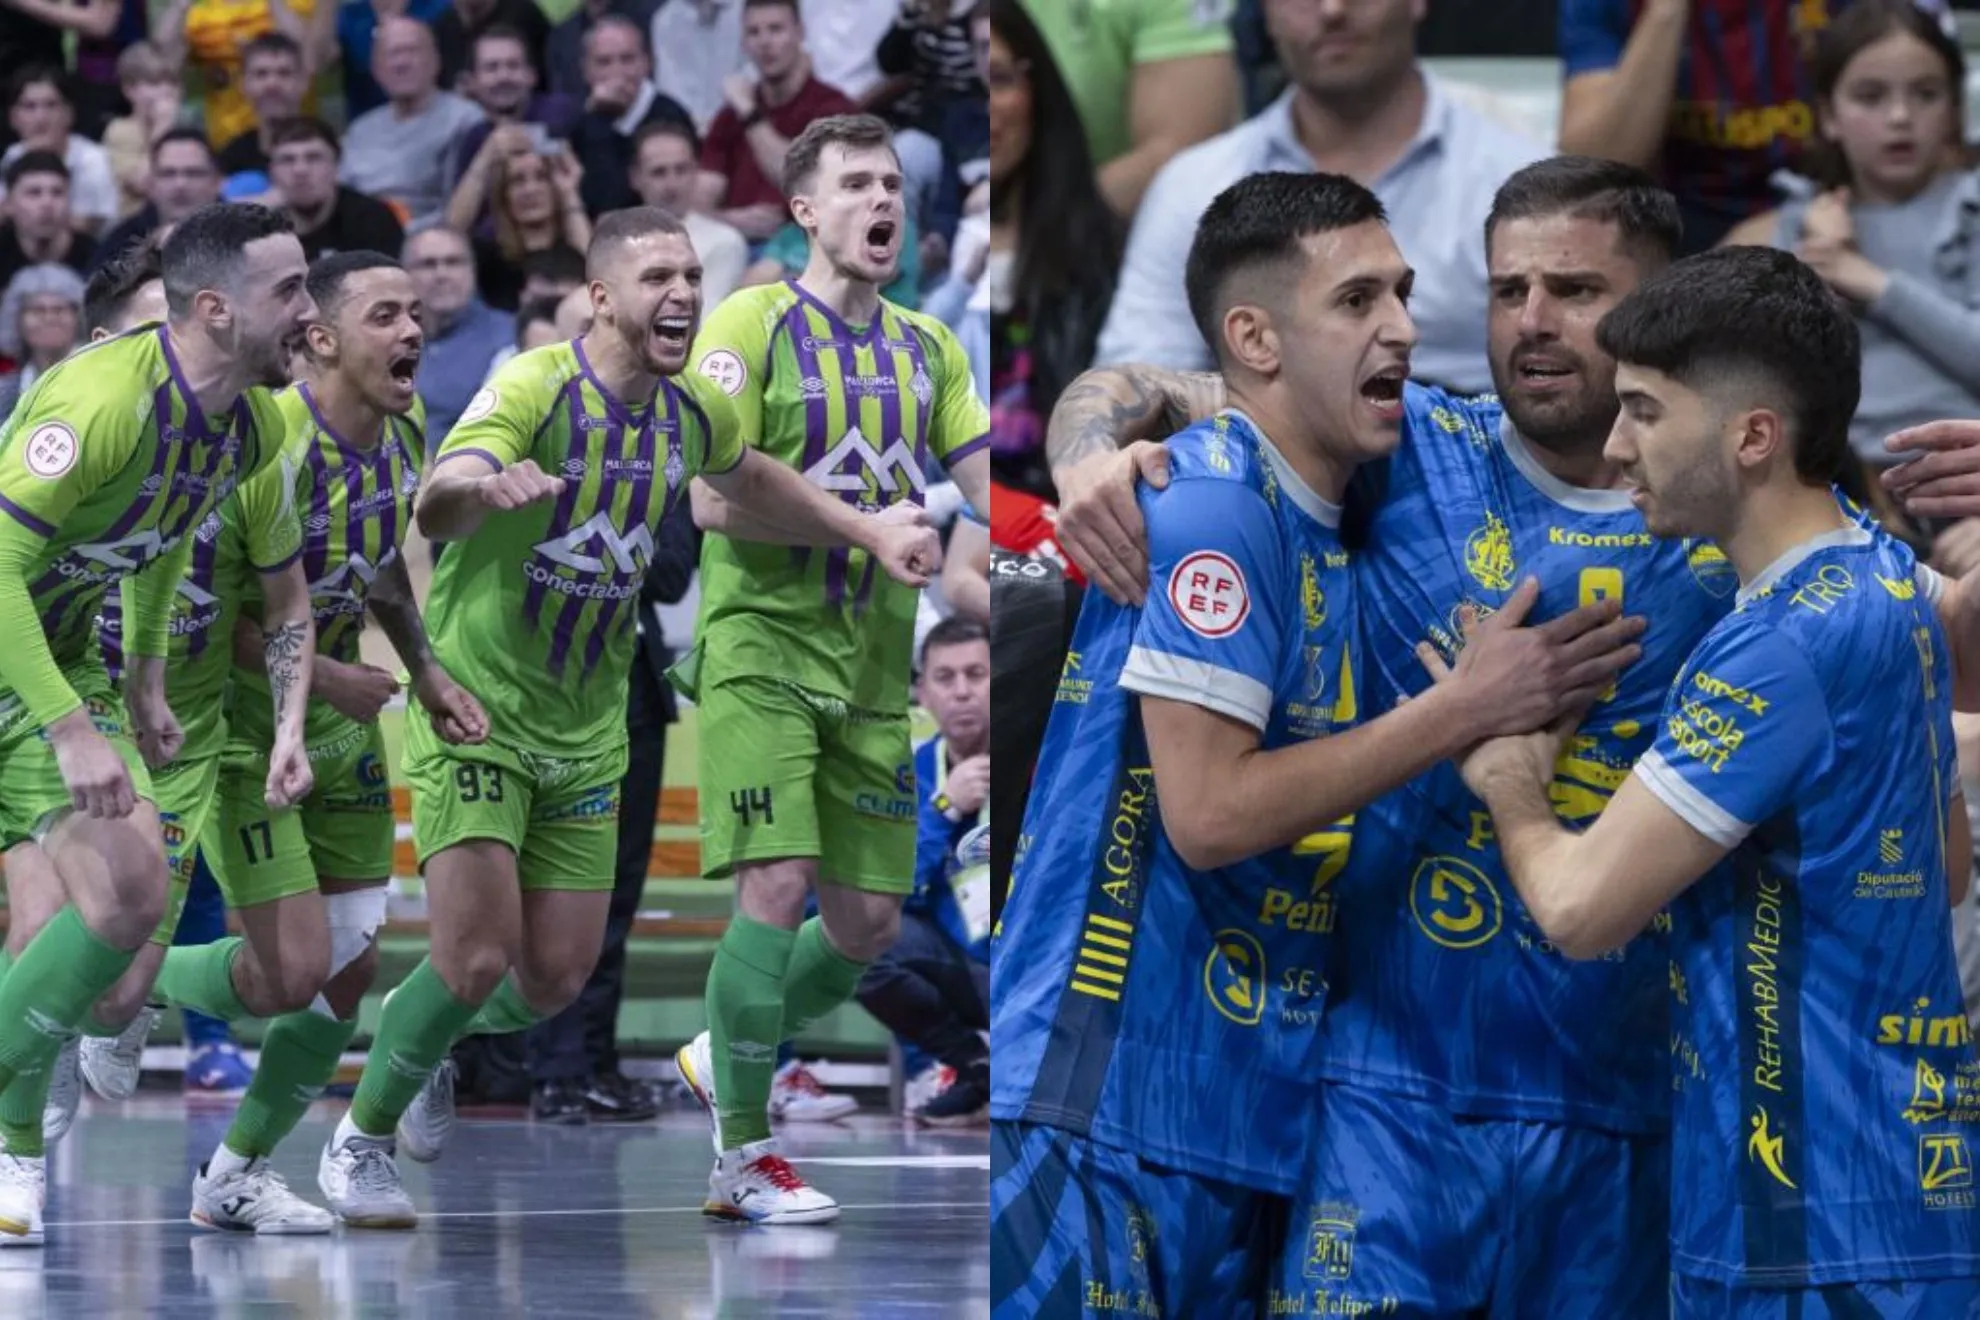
1223, 799
774, 496
467, 486
288, 649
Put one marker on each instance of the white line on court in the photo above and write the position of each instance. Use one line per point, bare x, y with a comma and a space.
534, 1214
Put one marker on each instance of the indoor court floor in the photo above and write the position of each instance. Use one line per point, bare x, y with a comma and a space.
518, 1220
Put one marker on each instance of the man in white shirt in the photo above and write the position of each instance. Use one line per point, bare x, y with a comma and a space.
663, 174
41, 114
700, 44
397, 153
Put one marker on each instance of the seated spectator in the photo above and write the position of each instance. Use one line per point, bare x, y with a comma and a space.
515, 119
564, 54
552, 273
664, 174
545, 318
1050, 283
1359, 105
462, 24
157, 107
397, 152
40, 321
274, 81
537, 212
1896, 228
328, 218
462, 332
183, 176
929, 52
357, 33
42, 115
211, 39
742, 162
621, 100
932, 988
37, 228
700, 46
1152, 78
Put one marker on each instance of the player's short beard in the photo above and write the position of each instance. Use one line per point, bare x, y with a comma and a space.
1582, 426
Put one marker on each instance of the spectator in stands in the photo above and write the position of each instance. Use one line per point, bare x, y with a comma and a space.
1896, 228
462, 332
536, 327
537, 210
37, 228
157, 107
1359, 105
742, 161
516, 120
461, 26
183, 176
40, 321
700, 46
932, 988
929, 52
275, 80
620, 100
1721, 105
845, 44
328, 218
398, 152
554, 272
663, 174
1149, 78
1049, 284
32, 32
565, 54
43, 116
213, 38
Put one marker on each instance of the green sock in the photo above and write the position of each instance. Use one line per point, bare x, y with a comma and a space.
746, 1024
414, 1033
820, 978
201, 977
299, 1056
20, 1110
49, 988
505, 1011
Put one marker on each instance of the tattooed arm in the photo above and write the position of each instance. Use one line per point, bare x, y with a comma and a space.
1096, 444
288, 649
456, 715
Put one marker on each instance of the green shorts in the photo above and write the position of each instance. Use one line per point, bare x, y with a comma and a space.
186, 791
31, 787
560, 816
343, 830
787, 772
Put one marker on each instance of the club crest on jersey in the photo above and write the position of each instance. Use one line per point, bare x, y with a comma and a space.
51, 450
1311, 598
1710, 567
921, 387
726, 368
484, 402
1208, 592
1488, 554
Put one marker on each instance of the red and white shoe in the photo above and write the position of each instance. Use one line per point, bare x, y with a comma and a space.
757, 1185
797, 1096
697, 1067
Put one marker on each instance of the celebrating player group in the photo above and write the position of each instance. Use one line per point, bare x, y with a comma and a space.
201, 507
1492, 856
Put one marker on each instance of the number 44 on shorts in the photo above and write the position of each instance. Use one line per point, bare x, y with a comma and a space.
750, 802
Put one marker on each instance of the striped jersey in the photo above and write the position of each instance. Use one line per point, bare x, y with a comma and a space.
535, 612
859, 411
110, 460
354, 505
1828, 1096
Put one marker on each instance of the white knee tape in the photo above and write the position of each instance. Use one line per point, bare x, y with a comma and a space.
355, 917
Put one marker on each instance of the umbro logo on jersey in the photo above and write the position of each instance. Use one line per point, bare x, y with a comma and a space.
318, 522
813, 387
574, 468
151, 485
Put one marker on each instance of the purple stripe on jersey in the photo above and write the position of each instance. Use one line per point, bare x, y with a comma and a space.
572, 611
316, 520
615, 407
195, 415
200, 572
161, 407
647, 449
26, 519
960, 452
863, 594
560, 520
481, 454
816, 419
891, 426
917, 351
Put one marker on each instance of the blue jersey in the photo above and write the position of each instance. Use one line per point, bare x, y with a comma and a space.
935, 864
1170, 1012
1828, 1099
1446, 989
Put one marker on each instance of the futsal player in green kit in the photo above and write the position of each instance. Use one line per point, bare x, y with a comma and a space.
802, 662
552, 484
107, 468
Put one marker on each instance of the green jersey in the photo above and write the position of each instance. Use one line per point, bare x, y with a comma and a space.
106, 466
354, 506
535, 612
859, 411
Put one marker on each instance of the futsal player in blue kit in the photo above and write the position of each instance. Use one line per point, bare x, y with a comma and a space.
1828, 1096
1159, 973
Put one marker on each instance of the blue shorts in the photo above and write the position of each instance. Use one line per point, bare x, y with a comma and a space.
1410, 1210
1937, 1299
1079, 1229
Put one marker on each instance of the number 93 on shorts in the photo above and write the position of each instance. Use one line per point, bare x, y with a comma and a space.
559, 815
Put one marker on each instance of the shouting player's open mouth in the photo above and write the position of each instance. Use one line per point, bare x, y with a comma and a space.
1383, 391
1542, 373
671, 335
403, 369
880, 237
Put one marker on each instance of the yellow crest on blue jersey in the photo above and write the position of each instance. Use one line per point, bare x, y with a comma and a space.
1311, 598
1488, 554
1235, 977
1710, 567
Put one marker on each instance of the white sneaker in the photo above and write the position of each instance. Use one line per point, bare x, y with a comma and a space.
23, 1188
112, 1067
697, 1065
250, 1197
359, 1178
58, 1112
759, 1186
427, 1124
797, 1096
926, 1085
